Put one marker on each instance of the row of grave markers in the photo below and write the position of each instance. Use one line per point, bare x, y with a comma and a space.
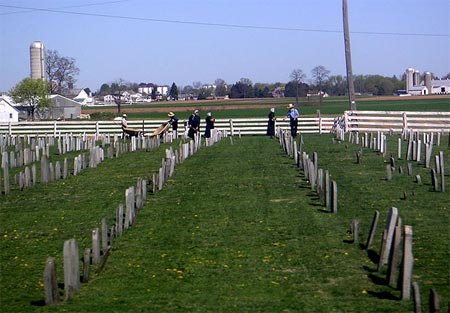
318, 178
50, 172
399, 259
102, 238
396, 252
413, 153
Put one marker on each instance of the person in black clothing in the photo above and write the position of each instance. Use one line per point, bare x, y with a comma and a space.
193, 124
271, 123
209, 124
174, 123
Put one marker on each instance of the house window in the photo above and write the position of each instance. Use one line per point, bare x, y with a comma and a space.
10, 115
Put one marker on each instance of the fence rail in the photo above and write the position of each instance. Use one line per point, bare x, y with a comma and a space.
243, 126
396, 121
351, 121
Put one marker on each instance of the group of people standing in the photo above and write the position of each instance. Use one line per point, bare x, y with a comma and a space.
292, 114
194, 124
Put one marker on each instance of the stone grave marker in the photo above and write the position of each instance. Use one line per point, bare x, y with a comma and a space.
407, 263
372, 230
71, 268
50, 282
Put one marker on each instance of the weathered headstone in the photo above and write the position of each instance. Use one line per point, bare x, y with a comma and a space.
71, 268
373, 228
394, 255
104, 234
95, 246
407, 263
86, 265
334, 190
417, 299
389, 231
50, 282
355, 230
442, 170
434, 301
388, 172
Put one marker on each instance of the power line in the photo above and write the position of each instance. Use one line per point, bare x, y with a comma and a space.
241, 26
27, 10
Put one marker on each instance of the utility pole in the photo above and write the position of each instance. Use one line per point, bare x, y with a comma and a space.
348, 59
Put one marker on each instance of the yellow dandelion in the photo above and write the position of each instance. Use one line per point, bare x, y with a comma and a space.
364, 292
274, 282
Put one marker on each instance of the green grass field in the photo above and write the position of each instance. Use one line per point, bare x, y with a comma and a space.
333, 106
236, 229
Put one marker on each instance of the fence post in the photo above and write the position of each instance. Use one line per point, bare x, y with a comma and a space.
97, 129
346, 121
231, 127
405, 122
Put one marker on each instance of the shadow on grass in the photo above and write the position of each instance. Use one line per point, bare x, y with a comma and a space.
377, 279
383, 295
324, 210
38, 303
373, 256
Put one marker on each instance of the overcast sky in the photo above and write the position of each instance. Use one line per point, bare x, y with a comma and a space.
185, 41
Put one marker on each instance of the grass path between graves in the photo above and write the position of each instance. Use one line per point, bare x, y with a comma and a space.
238, 229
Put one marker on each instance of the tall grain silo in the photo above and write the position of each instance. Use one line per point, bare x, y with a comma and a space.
37, 60
416, 78
428, 81
409, 79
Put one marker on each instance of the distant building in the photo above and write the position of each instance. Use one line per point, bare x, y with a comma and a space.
83, 98
414, 85
8, 113
63, 108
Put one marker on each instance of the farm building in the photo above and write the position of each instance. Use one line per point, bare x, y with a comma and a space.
414, 85
8, 113
84, 98
62, 107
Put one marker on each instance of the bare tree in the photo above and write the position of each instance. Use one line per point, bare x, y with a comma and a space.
117, 88
320, 75
61, 71
297, 76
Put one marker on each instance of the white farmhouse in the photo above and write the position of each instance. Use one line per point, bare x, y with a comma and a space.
8, 113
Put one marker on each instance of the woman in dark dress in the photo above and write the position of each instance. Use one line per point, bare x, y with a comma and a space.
209, 124
271, 123
194, 124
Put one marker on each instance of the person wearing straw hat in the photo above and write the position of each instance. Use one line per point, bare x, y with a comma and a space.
124, 124
293, 115
174, 123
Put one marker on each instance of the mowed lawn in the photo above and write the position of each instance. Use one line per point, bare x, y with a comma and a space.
238, 229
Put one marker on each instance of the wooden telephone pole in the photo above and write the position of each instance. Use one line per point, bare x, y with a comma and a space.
348, 59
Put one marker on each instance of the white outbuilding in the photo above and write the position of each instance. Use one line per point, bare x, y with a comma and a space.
8, 113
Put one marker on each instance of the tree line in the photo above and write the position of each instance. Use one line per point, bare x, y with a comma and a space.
61, 74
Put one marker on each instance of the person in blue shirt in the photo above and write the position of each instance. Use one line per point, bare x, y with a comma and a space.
293, 115
193, 124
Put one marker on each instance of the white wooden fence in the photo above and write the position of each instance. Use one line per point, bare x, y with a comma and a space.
396, 121
351, 121
243, 126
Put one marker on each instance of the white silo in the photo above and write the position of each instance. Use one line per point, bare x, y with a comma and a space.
37, 60
428, 81
409, 79
416, 78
